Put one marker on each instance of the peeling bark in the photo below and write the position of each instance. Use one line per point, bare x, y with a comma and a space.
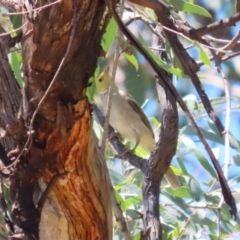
61, 141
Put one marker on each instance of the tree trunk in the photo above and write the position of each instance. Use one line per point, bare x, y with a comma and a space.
56, 143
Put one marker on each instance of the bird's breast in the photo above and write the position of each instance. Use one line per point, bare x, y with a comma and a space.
128, 123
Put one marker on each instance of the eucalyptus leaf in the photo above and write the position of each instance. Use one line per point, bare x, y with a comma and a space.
180, 5
109, 36
210, 135
120, 200
16, 62
236, 159
203, 55
131, 58
132, 201
195, 189
117, 179
91, 89
182, 192
198, 154
178, 72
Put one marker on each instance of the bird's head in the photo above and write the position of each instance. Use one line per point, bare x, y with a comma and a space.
103, 81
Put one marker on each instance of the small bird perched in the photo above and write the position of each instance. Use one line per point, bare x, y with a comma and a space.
128, 119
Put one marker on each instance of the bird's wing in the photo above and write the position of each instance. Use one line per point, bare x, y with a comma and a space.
137, 109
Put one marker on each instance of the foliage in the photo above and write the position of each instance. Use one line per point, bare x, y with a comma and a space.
195, 211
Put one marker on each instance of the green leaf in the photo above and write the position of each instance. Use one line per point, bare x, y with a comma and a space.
16, 21
131, 58
225, 213
195, 190
180, 5
198, 154
137, 236
176, 170
123, 184
170, 215
214, 199
91, 89
120, 200
117, 178
132, 214
168, 198
182, 192
234, 143
132, 201
176, 71
215, 102
213, 237
155, 122
236, 160
15, 59
203, 56
109, 35
191, 102
182, 165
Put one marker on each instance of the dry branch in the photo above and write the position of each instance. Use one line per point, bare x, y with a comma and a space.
12, 5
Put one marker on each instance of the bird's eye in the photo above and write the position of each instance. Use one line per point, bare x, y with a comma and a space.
100, 80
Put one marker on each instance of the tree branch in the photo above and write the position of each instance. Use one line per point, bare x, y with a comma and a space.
12, 5
117, 145
197, 33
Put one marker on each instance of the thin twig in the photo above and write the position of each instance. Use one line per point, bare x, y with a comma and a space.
230, 56
216, 40
119, 216
230, 45
183, 35
47, 191
227, 124
200, 63
32, 10
184, 227
218, 224
215, 26
192, 206
191, 40
14, 30
111, 88
148, 24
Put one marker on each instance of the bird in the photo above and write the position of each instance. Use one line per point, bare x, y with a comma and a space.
129, 120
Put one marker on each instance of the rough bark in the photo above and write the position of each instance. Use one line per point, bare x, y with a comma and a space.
160, 160
10, 97
61, 141
11, 5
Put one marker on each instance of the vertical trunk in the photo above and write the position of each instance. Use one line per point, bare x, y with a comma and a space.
60, 143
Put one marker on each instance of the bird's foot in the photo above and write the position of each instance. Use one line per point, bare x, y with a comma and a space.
126, 150
113, 135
